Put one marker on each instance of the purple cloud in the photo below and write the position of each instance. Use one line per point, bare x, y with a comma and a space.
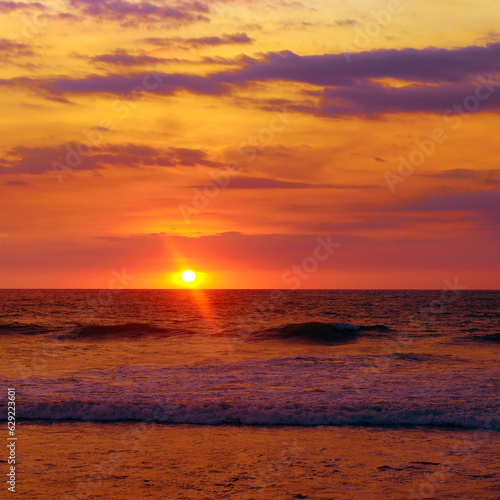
245, 182
371, 99
8, 7
154, 82
121, 57
348, 88
485, 200
346, 22
38, 160
187, 43
486, 177
131, 13
9, 48
431, 65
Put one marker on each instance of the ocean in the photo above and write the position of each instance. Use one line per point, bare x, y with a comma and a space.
246, 362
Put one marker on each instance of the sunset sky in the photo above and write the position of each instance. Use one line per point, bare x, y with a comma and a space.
234, 137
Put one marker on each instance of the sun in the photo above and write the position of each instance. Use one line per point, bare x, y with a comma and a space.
188, 276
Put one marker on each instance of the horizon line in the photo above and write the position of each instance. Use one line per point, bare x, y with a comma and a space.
262, 289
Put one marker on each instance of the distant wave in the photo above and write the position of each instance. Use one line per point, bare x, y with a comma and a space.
127, 330
226, 413
315, 331
91, 331
22, 329
494, 337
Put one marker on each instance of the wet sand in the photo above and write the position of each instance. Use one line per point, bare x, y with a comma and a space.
77, 460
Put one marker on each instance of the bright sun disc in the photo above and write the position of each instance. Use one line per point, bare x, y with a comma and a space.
188, 276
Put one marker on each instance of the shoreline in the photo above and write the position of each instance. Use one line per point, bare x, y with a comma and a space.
423, 427
129, 460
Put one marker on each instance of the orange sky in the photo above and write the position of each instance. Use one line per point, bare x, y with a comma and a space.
233, 137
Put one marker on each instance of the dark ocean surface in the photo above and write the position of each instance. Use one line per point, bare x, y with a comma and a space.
254, 357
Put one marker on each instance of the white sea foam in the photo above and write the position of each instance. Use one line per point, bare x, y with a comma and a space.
303, 390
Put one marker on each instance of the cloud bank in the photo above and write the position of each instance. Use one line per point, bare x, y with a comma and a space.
431, 80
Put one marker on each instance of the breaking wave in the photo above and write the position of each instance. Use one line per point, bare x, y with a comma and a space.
299, 390
127, 330
22, 329
315, 331
229, 413
494, 337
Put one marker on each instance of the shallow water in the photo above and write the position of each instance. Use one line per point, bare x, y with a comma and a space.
127, 461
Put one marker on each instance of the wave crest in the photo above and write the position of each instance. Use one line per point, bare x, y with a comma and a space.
227, 413
494, 337
315, 331
22, 329
127, 330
